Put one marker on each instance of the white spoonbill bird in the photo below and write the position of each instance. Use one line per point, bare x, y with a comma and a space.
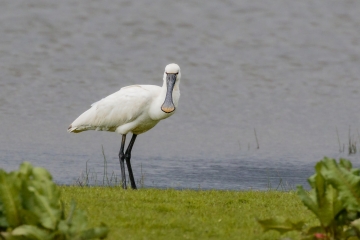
135, 109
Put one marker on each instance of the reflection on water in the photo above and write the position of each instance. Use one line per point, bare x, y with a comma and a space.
288, 69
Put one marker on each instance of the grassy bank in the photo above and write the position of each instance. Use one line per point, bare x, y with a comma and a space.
185, 214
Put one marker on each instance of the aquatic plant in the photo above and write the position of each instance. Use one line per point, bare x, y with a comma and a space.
89, 177
30, 209
352, 141
334, 199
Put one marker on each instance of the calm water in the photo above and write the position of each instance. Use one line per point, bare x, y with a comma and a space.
289, 69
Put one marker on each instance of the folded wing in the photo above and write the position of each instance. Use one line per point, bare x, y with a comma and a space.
114, 110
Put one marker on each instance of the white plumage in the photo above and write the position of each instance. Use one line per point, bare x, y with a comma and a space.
136, 109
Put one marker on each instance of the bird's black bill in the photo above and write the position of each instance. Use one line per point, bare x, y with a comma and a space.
168, 105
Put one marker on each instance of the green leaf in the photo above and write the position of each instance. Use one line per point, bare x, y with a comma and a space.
42, 198
48, 211
343, 163
63, 227
25, 170
280, 224
308, 199
9, 197
98, 232
28, 217
31, 232
322, 200
316, 229
346, 183
3, 222
78, 221
75, 226
43, 181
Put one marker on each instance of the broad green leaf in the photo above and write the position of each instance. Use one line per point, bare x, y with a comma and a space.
343, 163
78, 222
308, 199
48, 212
31, 232
346, 183
355, 171
280, 224
63, 227
348, 165
25, 169
316, 179
9, 197
97, 232
71, 214
3, 222
320, 187
42, 197
43, 180
316, 229
76, 226
28, 217
322, 200
330, 206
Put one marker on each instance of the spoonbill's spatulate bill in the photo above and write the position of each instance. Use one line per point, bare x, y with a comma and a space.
135, 109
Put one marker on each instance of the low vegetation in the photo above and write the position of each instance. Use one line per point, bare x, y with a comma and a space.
334, 199
186, 214
30, 209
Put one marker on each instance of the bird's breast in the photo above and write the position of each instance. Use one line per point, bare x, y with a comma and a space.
144, 126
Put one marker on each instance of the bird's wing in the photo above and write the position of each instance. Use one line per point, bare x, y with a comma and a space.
115, 110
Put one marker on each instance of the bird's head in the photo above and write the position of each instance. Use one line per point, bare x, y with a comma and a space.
172, 68
172, 77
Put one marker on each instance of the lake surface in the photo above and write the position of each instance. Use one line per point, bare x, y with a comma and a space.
289, 69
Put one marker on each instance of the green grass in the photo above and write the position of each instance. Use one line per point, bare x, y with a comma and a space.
185, 214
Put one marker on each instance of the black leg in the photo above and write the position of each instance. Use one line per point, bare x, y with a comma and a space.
127, 158
121, 160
